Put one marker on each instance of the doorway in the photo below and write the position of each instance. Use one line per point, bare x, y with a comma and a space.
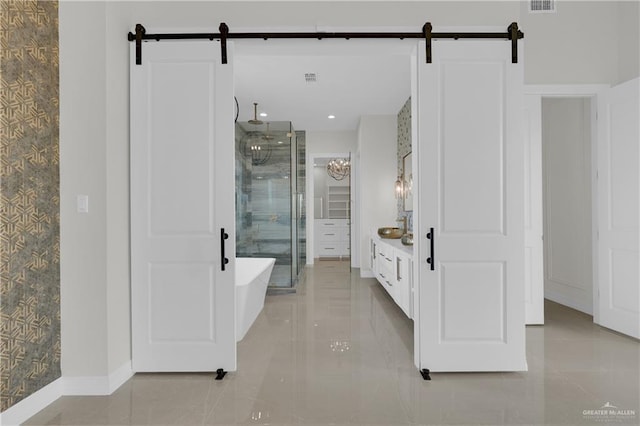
567, 201
606, 117
332, 195
325, 93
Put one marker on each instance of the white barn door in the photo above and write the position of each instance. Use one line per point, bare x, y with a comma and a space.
618, 212
182, 196
470, 107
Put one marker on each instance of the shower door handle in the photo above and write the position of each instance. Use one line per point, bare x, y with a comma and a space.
223, 236
300, 204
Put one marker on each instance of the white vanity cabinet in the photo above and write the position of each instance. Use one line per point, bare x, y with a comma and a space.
392, 265
404, 281
386, 268
332, 237
374, 256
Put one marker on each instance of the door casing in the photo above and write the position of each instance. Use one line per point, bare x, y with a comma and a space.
591, 92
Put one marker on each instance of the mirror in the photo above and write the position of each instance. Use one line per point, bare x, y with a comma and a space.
407, 176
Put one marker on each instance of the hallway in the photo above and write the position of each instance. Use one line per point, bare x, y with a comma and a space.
340, 351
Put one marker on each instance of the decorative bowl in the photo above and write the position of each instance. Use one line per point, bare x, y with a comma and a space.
390, 232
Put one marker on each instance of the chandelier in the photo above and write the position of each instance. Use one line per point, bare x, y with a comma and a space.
339, 168
259, 147
259, 155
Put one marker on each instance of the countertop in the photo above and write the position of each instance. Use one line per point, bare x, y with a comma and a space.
393, 242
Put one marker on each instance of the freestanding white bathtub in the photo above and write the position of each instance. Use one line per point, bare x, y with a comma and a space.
252, 279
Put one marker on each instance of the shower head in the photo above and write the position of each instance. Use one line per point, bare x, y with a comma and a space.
255, 115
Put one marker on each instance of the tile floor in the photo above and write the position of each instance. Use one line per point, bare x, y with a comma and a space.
340, 352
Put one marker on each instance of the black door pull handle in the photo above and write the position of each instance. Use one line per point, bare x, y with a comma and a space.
224, 260
431, 259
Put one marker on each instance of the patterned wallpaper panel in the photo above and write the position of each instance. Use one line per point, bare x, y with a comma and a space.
404, 147
29, 199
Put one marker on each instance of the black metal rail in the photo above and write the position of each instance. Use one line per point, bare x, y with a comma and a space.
512, 34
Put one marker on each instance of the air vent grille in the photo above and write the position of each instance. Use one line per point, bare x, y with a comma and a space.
542, 6
310, 77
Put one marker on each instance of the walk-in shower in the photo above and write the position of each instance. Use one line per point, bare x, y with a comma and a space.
270, 193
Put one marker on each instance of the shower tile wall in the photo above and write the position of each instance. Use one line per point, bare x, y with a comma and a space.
263, 205
301, 183
29, 199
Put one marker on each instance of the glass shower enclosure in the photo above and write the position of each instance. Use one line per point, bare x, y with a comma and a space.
270, 198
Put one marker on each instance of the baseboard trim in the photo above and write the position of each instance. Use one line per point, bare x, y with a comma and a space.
23, 410
120, 376
86, 385
366, 273
72, 386
98, 385
567, 301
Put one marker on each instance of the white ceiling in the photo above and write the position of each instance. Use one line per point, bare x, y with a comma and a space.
347, 87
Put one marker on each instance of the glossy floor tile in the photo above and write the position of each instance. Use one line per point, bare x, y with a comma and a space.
340, 352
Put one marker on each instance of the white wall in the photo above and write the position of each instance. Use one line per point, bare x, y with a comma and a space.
83, 160
378, 145
628, 50
331, 142
117, 195
94, 66
566, 148
576, 45
94, 160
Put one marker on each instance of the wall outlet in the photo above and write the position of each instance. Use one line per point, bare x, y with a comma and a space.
82, 202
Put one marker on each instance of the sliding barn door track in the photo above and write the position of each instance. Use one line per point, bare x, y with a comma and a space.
512, 34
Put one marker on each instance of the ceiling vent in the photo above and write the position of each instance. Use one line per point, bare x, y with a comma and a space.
310, 77
542, 6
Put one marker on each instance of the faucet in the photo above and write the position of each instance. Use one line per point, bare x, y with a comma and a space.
404, 224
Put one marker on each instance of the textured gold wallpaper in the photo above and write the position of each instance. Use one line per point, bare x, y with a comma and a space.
404, 147
29, 199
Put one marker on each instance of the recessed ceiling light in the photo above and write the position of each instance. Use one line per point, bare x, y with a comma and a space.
263, 114
331, 117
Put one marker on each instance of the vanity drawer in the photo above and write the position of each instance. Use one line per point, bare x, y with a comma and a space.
332, 237
385, 252
331, 223
333, 249
340, 233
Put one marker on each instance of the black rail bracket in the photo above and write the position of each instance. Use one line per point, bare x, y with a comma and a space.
220, 373
140, 31
426, 30
224, 34
425, 374
514, 35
